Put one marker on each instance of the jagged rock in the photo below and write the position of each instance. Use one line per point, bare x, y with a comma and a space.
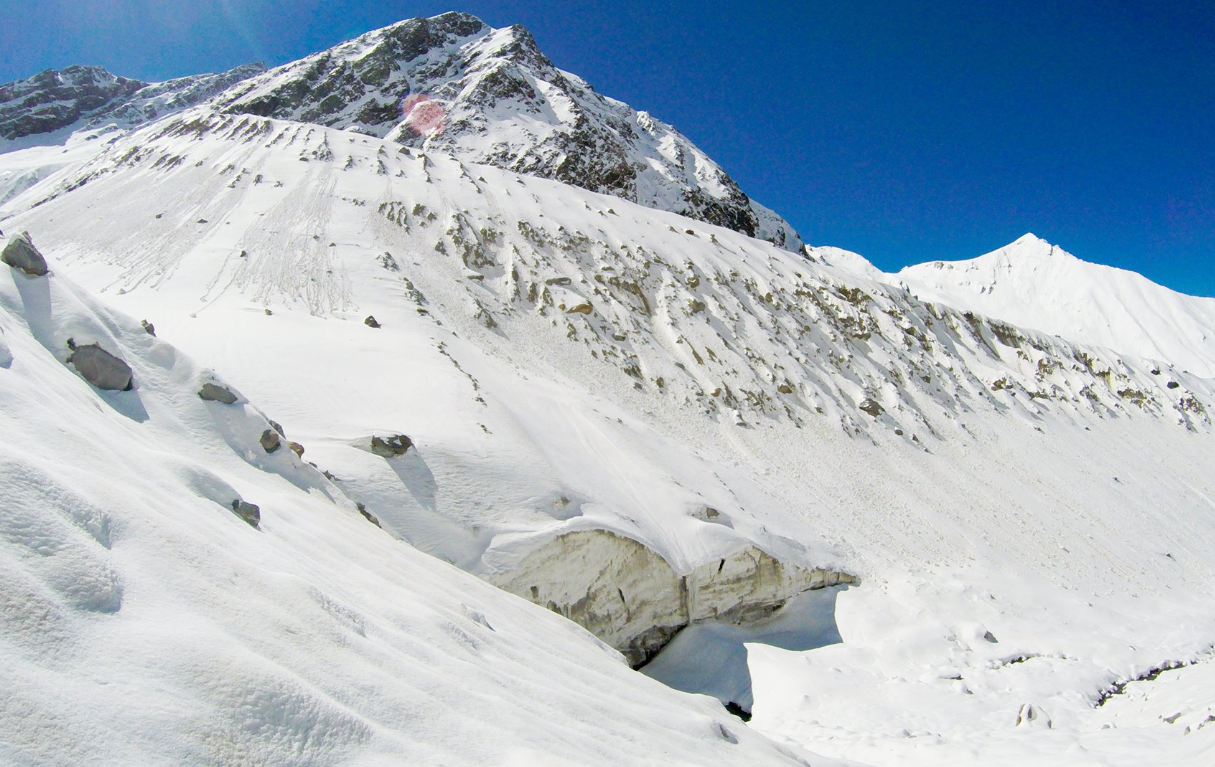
270, 440
276, 426
371, 322
148, 327
20, 253
99, 367
216, 393
582, 308
388, 447
296, 448
249, 512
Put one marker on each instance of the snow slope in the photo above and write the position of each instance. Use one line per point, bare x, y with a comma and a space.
566, 361
1034, 284
142, 622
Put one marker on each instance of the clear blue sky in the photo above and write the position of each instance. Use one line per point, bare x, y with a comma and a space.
904, 131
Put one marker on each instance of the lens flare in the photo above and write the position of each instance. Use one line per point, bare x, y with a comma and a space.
423, 115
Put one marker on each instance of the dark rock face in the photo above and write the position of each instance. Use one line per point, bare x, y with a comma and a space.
270, 441
249, 512
100, 368
20, 253
216, 393
484, 83
389, 447
90, 95
53, 99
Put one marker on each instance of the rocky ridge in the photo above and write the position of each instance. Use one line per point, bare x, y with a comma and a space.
86, 96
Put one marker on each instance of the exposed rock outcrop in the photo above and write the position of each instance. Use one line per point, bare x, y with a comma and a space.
100, 368
20, 253
270, 440
630, 597
389, 447
249, 512
83, 96
212, 392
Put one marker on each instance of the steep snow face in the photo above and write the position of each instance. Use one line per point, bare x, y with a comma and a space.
145, 623
566, 361
490, 96
1034, 284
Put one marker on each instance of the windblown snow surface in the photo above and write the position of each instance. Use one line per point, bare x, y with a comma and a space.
1029, 519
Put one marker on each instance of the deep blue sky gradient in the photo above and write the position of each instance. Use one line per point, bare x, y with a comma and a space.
904, 131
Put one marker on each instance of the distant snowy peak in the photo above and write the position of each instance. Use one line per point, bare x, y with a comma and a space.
84, 96
846, 261
1035, 284
490, 96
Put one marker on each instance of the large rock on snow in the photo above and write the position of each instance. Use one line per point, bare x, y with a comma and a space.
100, 368
630, 597
20, 253
389, 447
212, 392
250, 512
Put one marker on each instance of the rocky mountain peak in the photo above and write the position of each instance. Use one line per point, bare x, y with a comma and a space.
491, 96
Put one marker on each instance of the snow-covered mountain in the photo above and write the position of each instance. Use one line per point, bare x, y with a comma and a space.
641, 421
59, 118
883, 527
1035, 284
490, 96
46, 107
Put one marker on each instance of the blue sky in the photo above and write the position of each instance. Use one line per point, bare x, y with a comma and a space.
903, 131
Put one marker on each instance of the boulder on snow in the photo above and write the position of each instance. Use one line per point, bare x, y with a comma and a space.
20, 253
270, 440
388, 447
215, 393
296, 448
249, 512
371, 322
99, 367
872, 407
148, 327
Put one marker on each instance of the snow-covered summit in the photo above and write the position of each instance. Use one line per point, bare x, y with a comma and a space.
490, 96
1035, 284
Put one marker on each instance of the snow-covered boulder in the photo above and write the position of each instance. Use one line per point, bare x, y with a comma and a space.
20, 253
